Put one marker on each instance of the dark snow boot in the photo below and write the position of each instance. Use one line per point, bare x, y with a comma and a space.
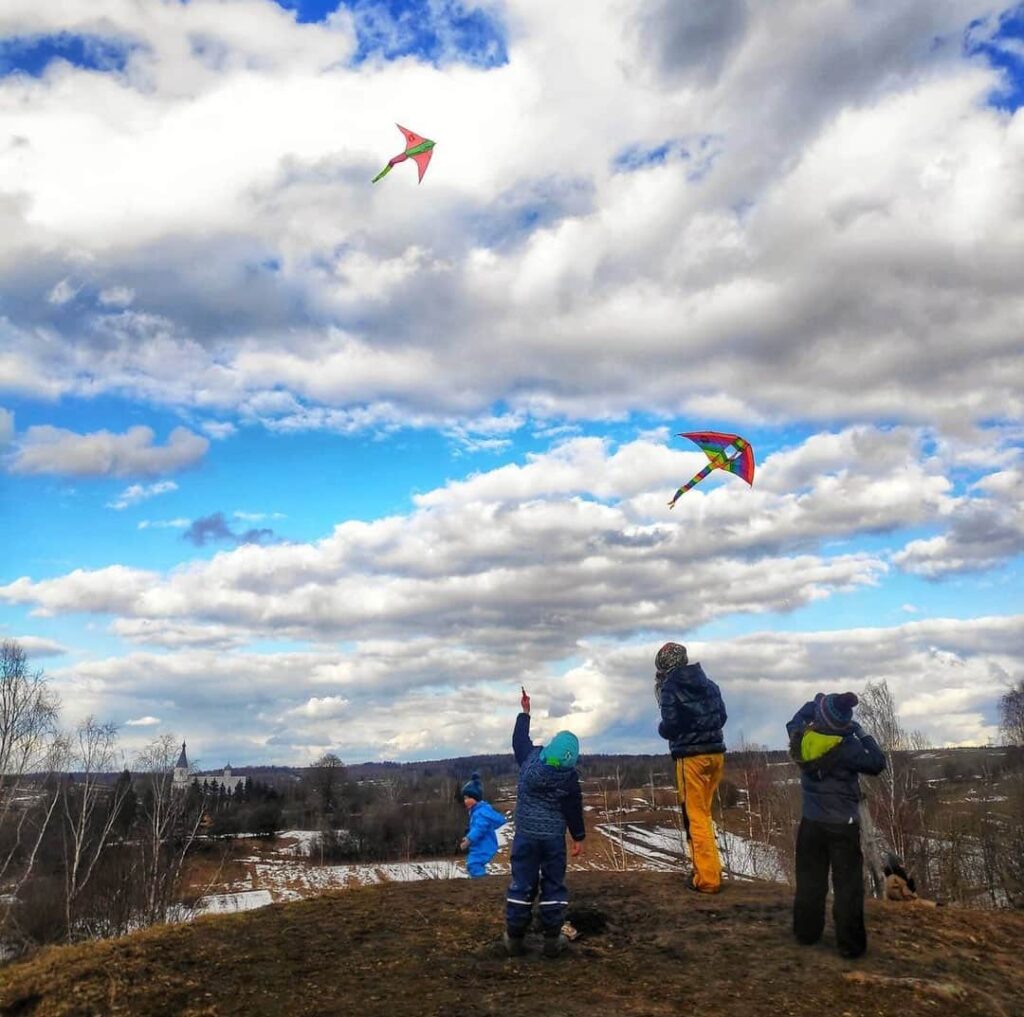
554, 944
514, 945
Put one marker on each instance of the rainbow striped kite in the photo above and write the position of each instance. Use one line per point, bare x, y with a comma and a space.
725, 452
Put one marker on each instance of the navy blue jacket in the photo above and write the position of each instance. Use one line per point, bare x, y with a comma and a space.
692, 712
830, 783
548, 798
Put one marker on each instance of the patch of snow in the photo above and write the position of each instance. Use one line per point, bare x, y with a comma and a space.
661, 848
230, 903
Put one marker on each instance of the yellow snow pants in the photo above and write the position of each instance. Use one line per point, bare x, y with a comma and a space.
697, 777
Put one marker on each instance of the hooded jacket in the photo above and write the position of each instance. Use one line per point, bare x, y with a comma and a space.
692, 712
548, 798
830, 765
484, 821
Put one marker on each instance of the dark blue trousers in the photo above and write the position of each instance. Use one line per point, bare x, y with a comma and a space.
537, 863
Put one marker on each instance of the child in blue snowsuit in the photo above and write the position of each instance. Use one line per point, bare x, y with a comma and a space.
548, 800
480, 841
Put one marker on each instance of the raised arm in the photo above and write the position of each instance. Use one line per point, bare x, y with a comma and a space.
868, 757
801, 719
521, 744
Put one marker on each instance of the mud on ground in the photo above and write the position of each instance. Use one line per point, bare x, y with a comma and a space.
648, 947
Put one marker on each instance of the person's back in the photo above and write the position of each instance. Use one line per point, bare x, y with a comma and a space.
693, 713
548, 800
542, 795
692, 717
831, 762
831, 750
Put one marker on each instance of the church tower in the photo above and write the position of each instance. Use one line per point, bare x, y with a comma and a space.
181, 771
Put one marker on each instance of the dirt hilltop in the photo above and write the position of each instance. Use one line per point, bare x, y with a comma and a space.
432, 948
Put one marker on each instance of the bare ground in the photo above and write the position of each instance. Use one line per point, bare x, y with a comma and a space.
648, 947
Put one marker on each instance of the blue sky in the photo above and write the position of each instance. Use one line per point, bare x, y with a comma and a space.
298, 463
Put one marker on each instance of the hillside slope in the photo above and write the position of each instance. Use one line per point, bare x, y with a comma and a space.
432, 948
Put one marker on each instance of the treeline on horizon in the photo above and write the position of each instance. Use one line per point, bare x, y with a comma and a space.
87, 850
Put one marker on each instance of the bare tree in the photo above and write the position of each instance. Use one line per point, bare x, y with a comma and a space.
893, 796
1011, 714
30, 749
170, 819
87, 826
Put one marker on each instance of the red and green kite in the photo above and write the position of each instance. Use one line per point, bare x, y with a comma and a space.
416, 147
725, 452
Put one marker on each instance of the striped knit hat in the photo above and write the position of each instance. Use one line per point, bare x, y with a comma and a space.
833, 714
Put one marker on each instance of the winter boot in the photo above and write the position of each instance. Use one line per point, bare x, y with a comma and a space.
554, 943
514, 945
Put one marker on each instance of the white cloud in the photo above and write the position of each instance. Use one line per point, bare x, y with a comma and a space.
982, 531
834, 221
163, 524
62, 293
6, 427
116, 296
45, 449
143, 722
141, 492
522, 554
219, 429
371, 700
37, 646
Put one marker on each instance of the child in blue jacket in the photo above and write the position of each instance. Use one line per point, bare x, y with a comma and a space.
481, 840
548, 800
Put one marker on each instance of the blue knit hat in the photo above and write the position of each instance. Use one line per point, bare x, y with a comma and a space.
473, 788
562, 751
833, 714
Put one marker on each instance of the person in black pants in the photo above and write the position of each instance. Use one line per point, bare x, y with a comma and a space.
832, 750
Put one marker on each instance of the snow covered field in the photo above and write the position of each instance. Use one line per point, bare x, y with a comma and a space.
661, 848
286, 873
229, 903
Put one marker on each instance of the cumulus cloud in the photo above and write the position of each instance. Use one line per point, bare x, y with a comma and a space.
524, 555
141, 492
946, 674
38, 646
834, 221
982, 532
46, 449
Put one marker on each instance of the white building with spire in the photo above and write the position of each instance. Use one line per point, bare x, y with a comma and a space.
182, 777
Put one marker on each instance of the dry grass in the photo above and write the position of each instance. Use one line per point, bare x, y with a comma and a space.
432, 948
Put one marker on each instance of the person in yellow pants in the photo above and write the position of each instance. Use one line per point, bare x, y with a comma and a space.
692, 717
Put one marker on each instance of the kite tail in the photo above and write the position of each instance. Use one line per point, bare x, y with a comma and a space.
691, 482
383, 173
